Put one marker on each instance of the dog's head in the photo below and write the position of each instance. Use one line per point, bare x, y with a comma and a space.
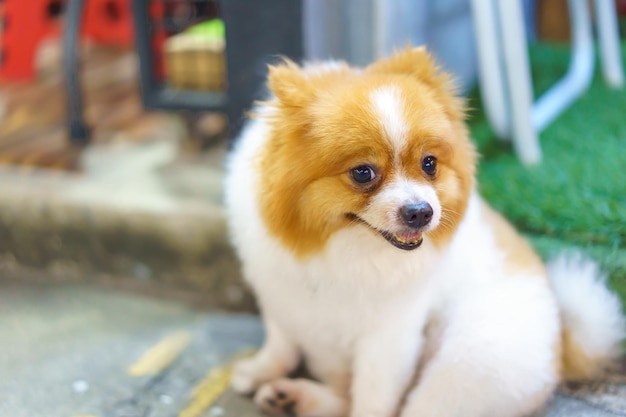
384, 147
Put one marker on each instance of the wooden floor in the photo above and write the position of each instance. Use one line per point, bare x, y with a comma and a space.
33, 114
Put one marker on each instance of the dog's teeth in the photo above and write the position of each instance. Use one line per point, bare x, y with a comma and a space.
416, 238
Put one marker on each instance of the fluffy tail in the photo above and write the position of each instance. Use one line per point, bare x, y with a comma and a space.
593, 325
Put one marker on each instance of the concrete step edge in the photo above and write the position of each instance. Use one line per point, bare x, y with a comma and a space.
184, 247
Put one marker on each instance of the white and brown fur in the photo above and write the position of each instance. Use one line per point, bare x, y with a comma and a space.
468, 324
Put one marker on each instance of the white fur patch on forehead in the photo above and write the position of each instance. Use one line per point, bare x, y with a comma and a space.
389, 107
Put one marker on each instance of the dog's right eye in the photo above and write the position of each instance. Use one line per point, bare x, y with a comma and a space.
363, 174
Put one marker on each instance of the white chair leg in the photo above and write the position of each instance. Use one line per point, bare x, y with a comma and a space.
608, 34
579, 74
515, 51
492, 86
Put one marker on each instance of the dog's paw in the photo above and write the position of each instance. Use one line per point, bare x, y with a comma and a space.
244, 379
281, 397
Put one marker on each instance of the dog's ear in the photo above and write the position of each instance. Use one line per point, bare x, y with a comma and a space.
416, 62
420, 64
290, 84
404, 61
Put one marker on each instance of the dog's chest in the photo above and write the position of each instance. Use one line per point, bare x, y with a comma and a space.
327, 306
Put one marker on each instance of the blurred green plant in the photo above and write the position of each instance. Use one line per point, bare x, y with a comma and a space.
576, 197
213, 29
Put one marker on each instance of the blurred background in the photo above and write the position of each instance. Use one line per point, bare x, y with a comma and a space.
119, 292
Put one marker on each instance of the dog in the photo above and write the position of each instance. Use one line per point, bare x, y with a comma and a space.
352, 203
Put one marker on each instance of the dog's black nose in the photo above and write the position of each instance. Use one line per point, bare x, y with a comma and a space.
416, 215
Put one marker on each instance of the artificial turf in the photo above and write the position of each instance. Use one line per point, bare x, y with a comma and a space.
576, 197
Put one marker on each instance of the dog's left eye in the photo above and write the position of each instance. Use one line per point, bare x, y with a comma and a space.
429, 165
363, 174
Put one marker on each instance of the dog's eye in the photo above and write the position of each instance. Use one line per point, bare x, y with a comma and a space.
363, 174
429, 165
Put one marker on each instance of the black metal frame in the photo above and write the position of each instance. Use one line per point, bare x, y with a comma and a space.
256, 32
78, 131
155, 95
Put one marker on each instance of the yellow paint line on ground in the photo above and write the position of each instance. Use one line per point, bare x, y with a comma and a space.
161, 355
214, 384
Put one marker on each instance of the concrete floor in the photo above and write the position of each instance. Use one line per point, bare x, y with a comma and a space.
73, 349
68, 350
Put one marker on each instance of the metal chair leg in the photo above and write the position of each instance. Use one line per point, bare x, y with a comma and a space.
78, 132
579, 73
608, 35
493, 85
517, 73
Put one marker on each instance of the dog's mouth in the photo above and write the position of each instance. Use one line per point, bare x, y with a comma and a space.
405, 241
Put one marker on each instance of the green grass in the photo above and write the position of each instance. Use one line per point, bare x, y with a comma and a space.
576, 197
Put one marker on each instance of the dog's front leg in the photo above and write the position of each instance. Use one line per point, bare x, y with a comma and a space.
276, 359
384, 366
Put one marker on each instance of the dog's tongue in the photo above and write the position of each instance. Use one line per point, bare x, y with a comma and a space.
408, 237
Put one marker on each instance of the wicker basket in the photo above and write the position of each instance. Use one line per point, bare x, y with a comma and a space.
195, 62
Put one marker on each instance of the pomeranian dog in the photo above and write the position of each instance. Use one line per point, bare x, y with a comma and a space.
352, 204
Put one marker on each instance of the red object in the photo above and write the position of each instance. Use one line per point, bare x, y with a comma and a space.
159, 36
27, 23
108, 22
